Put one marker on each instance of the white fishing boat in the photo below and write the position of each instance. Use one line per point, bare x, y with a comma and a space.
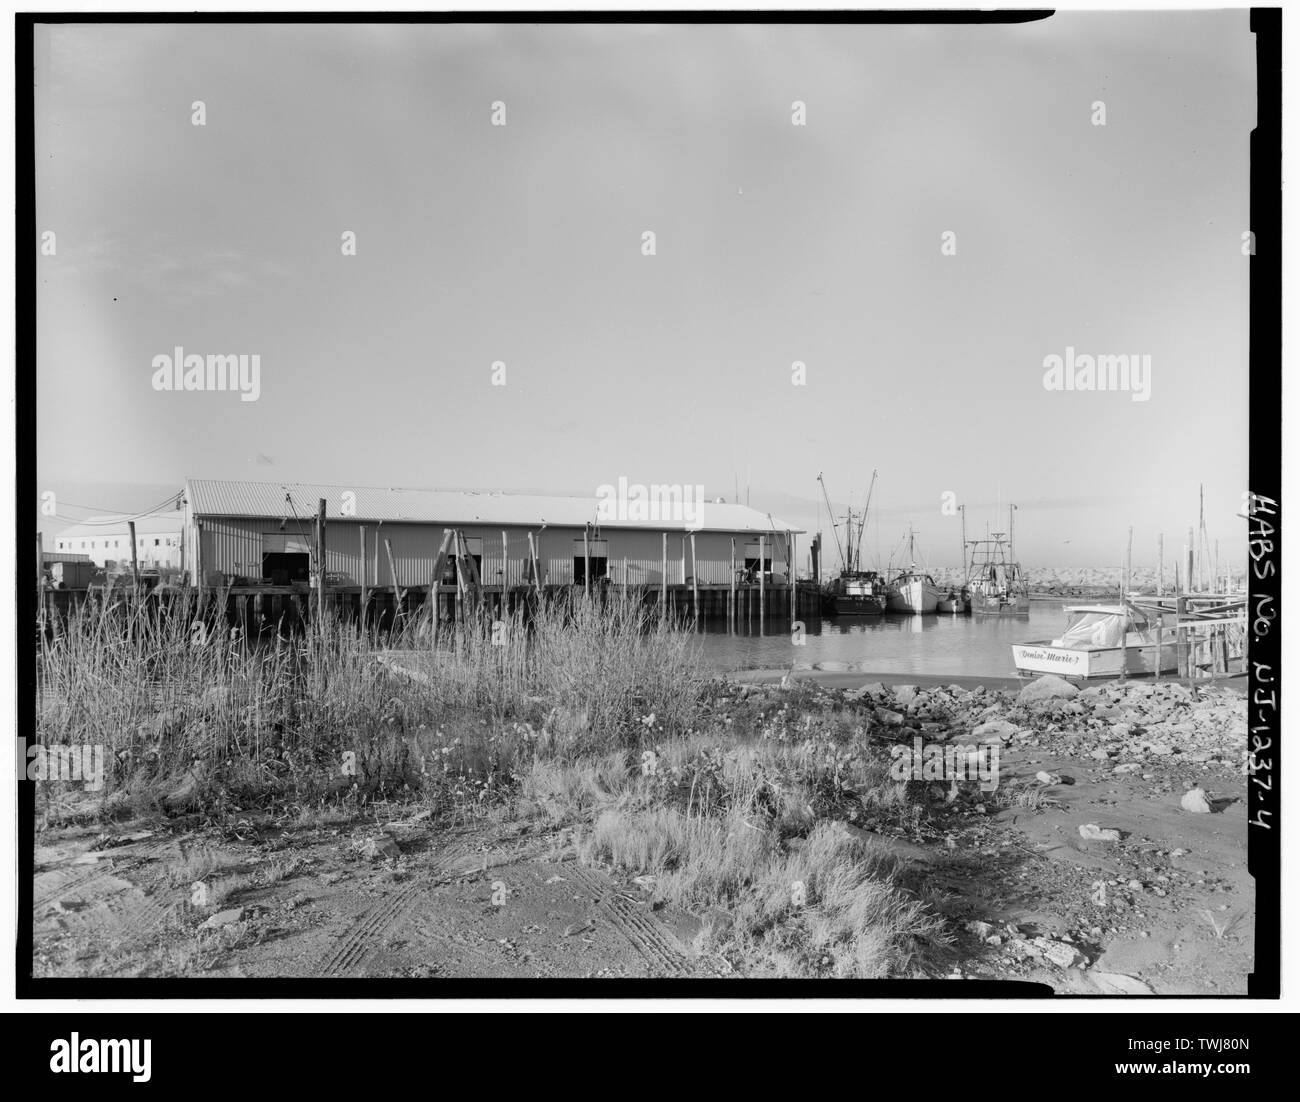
1101, 641
913, 590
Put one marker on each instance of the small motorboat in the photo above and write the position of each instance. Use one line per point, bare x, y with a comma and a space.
1101, 641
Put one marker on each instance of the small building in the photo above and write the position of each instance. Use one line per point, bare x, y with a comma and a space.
263, 531
51, 557
106, 541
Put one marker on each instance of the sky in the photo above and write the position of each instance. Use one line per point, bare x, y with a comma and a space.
774, 243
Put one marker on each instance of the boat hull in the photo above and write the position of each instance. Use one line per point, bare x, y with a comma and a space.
1140, 657
854, 605
914, 596
985, 605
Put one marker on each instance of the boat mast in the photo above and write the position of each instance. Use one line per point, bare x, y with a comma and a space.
830, 515
962, 510
862, 524
1011, 518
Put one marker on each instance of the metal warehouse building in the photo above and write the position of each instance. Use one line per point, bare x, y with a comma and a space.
263, 532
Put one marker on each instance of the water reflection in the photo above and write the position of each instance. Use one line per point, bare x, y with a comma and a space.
938, 644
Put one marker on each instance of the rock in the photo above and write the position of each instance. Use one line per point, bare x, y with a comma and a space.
381, 846
186, 793
1047, 778
1100, 754
905, 694
994, 730
873, 689
1127, 767
1135, 885
1059, 953
982, 930
225, 918
1093, 833
1046, 688
889, 718
1196, 802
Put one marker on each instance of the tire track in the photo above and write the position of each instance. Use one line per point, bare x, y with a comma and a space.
640, 930
106, 869
362, 940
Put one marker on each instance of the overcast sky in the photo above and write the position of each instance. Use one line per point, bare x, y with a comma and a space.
774, 243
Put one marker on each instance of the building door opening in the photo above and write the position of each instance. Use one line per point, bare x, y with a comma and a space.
474, 545
286, 559
597, 551
754, 564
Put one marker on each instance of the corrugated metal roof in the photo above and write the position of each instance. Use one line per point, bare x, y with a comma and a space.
225, 498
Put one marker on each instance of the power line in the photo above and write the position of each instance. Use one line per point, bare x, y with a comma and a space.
153, 510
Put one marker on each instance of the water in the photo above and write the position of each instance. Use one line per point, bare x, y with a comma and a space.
944, 645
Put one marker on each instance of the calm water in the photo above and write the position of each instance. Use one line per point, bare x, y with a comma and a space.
939, 644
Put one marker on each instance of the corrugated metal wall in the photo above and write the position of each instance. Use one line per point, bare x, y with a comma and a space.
235, 547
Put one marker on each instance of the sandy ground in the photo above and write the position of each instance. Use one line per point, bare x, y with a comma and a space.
1168, 909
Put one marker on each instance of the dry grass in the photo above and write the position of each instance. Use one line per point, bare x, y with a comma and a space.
164, 689
744, 828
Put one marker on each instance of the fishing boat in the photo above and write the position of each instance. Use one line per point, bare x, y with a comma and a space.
913, 590
955, 601
855, 592
997, 584
1100, 641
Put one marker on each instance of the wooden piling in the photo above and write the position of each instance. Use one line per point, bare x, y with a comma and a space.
365, 589
1185, 666
320, 559
586, 559
663, 577
731, 593
392, 569
762, 582
1160, 568
532, 554
1160, 643
695, 582
794, 585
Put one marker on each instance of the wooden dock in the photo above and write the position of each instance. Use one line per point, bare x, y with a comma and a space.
258, 608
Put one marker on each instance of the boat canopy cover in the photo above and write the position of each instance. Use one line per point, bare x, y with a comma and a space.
1095, 628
